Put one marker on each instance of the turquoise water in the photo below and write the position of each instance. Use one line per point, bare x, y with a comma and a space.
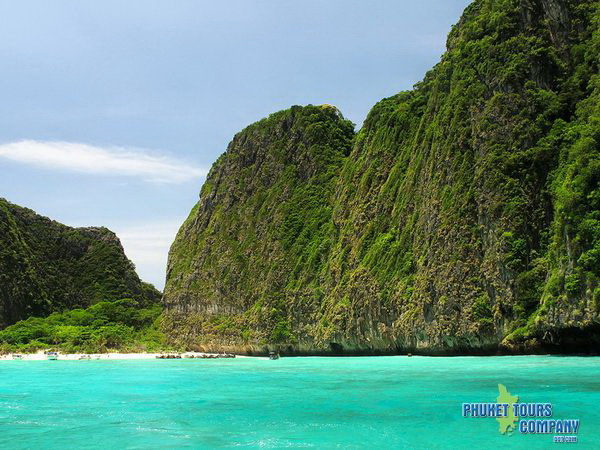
375, 402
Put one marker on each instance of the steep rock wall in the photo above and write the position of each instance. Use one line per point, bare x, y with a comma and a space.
465, 219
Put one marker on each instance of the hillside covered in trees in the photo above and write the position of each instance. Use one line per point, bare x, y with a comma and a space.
48, 267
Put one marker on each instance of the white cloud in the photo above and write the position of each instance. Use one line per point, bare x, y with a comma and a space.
147, 245
84, 158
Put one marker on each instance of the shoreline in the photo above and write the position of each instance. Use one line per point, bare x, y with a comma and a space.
118, 356
114, 356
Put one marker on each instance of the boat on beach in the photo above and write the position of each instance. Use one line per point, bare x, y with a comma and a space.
52, 356
17, 357
195, 356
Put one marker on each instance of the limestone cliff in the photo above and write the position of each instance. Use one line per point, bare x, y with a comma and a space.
46, 266
252, 249
464, 218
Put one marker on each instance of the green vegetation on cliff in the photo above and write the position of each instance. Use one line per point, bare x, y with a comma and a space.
465, 217
261, 227
46, 266
465, 187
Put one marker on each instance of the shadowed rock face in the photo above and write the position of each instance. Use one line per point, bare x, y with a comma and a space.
46, 266
463, 218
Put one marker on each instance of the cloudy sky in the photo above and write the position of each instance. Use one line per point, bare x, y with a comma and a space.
112, 112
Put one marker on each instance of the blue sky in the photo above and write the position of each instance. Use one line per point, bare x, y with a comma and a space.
112, 112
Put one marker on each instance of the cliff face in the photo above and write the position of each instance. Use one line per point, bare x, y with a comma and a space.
252, 249
465, 218
46, 266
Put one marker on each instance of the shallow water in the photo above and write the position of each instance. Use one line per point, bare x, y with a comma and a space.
375, 402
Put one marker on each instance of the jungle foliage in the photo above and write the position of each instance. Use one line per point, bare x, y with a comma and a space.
122, 325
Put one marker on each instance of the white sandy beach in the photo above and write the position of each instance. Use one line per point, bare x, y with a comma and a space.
41, 356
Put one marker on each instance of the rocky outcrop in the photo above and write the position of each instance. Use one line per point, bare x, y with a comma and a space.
46, 266
464, 219
255, 243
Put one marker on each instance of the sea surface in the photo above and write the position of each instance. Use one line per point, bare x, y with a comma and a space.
368, 402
